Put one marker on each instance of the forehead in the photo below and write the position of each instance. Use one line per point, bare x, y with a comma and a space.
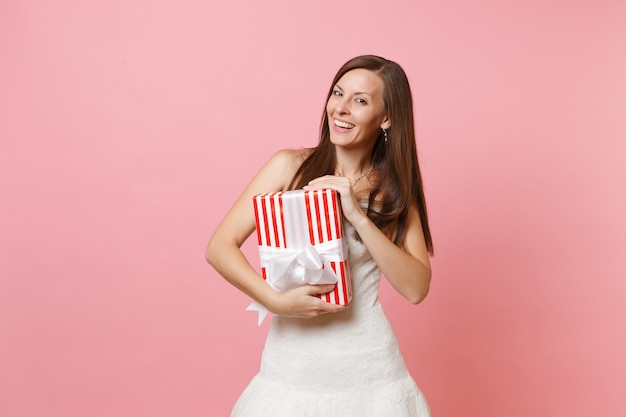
361, 80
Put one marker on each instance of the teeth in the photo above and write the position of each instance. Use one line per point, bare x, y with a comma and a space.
344, 125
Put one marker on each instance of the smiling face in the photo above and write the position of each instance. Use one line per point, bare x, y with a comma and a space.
356, 110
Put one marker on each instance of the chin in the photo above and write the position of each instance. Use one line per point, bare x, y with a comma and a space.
340, 140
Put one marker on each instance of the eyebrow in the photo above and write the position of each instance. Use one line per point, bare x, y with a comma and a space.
357, 93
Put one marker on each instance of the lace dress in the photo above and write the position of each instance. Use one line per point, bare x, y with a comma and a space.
346, 364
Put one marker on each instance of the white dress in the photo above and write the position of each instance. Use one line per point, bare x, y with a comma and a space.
346, 364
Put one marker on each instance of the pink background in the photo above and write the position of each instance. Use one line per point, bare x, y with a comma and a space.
128, 128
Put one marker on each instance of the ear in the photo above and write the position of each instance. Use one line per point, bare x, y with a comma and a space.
386, 123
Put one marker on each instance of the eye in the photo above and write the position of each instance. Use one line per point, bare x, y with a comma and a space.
361, 101
337, 93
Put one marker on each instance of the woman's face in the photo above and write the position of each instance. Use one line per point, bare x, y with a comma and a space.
355, 109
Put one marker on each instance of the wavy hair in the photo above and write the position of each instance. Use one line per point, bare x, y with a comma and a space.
397, 181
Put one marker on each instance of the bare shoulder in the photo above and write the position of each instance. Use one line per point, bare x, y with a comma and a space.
291, 158
279, 170
287, 161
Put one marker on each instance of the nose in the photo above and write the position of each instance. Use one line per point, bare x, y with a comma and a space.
342, 106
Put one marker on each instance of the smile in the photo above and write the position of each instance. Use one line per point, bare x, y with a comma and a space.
343, 125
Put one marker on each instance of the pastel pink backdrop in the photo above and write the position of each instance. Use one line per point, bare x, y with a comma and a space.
127, 129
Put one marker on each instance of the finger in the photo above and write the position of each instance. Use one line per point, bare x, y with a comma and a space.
340, 188
327, 177
318, 185
329, 180
325, 307
320, 289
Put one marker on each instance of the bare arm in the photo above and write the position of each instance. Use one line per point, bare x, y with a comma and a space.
224, 254
407, 268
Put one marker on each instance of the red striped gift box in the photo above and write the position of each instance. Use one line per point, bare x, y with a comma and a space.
289, 224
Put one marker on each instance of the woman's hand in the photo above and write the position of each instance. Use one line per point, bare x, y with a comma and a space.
349, 203
302, 302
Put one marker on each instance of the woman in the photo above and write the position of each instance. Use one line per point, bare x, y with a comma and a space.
323, 359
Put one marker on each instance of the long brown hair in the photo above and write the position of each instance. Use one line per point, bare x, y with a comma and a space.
397, 182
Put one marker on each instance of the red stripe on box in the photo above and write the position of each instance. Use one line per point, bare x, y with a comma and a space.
274, 226
337, 210
347, 281
347, 284
329, 230
320, 236
338, 290
332, 266
282, 219
265, 222
256, 216
344, 290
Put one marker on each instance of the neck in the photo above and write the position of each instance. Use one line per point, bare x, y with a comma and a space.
353, 165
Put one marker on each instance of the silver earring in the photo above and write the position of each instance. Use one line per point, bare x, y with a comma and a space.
386, 137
